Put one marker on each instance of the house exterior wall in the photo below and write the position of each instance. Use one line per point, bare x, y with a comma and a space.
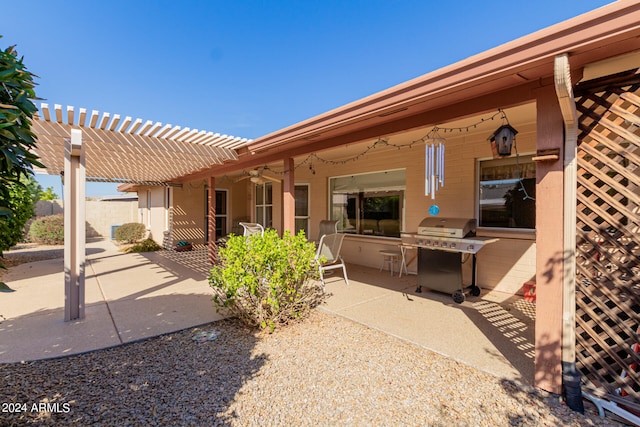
240, 202
158, 220
152, 211
503, 266
188, 213
187, 209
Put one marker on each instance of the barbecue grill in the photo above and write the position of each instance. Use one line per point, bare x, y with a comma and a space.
442, 243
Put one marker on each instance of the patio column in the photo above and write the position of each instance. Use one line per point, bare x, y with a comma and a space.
288, 197
549, 244
212, 220
74, 226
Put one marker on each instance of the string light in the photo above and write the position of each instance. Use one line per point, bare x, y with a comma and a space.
432, 136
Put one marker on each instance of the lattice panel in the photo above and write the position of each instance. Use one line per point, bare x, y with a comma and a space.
608, 233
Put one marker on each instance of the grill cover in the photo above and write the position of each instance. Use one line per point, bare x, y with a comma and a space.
447, 227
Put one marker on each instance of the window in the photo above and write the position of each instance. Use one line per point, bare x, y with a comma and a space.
221, 214
369, 204
507, 193
264, 204
302, 208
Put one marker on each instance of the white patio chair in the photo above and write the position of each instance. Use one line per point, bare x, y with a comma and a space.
251, 228
329, 247
327, 227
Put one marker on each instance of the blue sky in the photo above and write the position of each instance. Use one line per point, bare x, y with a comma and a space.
247, 68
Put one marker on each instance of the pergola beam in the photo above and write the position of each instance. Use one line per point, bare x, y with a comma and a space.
131, 150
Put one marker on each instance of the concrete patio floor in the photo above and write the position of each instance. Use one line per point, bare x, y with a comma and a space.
128, 297
135, 296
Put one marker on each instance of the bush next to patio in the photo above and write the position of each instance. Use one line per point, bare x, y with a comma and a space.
130, 232
147, 245
47, 230
266, 281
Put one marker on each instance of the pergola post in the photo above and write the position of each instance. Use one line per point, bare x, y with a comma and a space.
288, 197
549, 244
74, 226
211, 218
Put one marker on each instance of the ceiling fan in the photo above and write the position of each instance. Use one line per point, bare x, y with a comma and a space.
258, 176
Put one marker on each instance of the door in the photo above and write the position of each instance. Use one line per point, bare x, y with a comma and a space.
221, 214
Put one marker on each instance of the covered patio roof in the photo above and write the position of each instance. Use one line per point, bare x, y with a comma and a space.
129, 151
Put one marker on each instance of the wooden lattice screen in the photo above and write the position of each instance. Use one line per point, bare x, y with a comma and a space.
608, 237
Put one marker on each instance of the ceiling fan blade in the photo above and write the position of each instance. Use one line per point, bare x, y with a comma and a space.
271, 177
242, 178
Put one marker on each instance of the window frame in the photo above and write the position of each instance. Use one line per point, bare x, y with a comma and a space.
260, 190
524, 158
306, 217
377, 191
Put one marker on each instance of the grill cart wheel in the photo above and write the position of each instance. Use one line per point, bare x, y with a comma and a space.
475, 291
458, 297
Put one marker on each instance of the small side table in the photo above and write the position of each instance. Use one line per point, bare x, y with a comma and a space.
403, 261
390, 258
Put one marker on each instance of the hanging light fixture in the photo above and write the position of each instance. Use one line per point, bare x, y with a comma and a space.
502, 140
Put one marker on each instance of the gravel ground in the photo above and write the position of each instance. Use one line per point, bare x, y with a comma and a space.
324, 371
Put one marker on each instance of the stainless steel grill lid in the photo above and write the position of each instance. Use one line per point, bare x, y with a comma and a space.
447, 227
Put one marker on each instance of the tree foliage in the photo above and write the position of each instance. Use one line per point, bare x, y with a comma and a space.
17, 141
47, 194
17, 90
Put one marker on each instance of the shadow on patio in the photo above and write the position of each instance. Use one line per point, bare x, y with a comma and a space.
496, 337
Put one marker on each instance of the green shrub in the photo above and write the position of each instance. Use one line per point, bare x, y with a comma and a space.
130, 232
266, 281
147, 245
47, 230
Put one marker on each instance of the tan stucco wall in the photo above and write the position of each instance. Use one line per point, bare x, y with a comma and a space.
188, 212
100, 215
240, 200
502, 266
158, 213
188, 207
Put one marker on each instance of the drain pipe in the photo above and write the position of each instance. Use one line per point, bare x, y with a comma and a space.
570, 374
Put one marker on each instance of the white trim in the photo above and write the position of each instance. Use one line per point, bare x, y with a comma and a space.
308, 217
148, 208
227, 215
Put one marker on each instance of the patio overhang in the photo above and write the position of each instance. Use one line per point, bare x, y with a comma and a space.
130, 151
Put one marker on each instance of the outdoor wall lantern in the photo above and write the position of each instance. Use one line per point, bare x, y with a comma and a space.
502, 140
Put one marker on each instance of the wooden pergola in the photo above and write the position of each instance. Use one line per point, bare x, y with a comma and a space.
130, 151
98, 147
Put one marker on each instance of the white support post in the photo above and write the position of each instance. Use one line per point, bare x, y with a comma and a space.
74, 227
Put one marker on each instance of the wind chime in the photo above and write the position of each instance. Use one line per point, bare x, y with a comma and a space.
434, 164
